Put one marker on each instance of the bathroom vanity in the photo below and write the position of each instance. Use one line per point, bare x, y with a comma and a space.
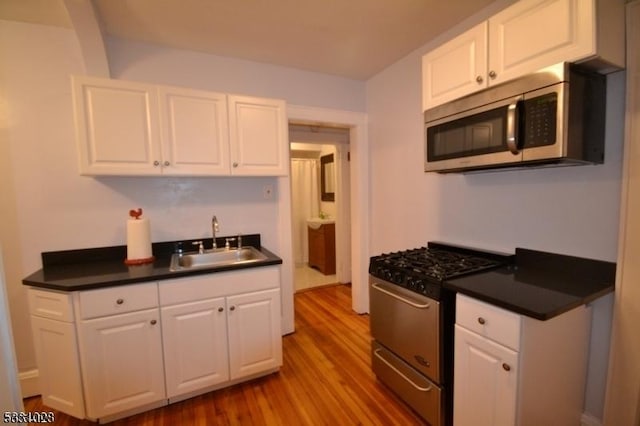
322, 245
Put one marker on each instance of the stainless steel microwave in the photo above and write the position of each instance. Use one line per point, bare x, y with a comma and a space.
552, 117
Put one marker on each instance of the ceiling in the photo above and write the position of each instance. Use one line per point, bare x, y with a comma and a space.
350, 38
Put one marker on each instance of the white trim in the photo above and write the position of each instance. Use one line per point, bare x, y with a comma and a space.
29, 382
359, 148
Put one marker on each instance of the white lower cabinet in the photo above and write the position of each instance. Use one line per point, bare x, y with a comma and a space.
214, 336
58, 365
487, 395
511, 369
122, 364
254, 333
109, 353
195, 345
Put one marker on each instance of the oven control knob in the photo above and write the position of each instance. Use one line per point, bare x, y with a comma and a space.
422, 288
397, 277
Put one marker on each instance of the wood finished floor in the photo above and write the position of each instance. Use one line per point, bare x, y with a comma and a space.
326, 379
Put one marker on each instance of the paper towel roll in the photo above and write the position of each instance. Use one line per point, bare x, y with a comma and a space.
138, 241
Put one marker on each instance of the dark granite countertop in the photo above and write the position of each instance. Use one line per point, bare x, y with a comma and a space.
85, 269
540, 285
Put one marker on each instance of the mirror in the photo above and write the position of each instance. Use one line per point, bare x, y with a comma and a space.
327, 178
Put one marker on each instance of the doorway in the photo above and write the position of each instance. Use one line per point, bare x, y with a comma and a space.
320, 182
359, 205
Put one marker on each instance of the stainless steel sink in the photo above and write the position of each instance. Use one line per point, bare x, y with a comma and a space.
216, 257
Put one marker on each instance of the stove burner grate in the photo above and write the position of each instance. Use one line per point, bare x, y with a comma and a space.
424, 269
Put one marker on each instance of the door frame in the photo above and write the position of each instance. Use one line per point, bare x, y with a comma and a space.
359, 170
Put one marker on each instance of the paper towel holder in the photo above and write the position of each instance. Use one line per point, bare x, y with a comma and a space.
135, 214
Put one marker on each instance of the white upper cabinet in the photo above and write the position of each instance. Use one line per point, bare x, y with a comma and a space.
523, 38
128, 128
116, 126
456, 68
259, 136
533, 34
195, 134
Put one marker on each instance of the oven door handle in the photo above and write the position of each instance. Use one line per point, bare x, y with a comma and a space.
402, 299
400, 373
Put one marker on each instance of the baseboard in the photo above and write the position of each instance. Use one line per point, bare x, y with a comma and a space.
29, 383
589, 420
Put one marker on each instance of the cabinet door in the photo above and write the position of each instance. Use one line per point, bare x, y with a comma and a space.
534, 34
195, 133
255, 341
316, 247
195, 345
117, 129
58, 365
456, 68
122, 362
259, 139
485, 381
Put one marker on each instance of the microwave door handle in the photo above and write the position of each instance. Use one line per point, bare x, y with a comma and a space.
512, 127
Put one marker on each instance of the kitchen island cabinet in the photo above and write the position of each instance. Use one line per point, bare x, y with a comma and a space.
523, 38
126, 128
510, 369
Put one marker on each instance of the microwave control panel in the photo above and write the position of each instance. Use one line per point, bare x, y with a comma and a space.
540, 120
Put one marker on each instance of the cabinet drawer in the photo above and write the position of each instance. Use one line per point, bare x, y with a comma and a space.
117, 300
51, 304
489, 321
219, 284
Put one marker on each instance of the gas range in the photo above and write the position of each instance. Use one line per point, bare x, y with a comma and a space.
412, 322
423, 270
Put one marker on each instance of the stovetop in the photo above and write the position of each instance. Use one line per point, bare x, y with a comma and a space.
424, 269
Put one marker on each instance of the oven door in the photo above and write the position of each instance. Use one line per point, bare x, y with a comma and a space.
408, 324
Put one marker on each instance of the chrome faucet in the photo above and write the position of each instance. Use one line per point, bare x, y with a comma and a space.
214, 228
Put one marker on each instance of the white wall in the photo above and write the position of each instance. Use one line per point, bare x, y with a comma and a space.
48, 206
147, 62
572, 210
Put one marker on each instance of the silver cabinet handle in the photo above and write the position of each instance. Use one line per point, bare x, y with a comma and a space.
512, 127
232, 308
220, 309
482, 320
120, 301
166, 163
402, 299
153, 322
156, 163
492, 74
235, 164
479, 79
506, 366
400, 373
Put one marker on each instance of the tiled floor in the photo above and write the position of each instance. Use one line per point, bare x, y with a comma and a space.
306, 278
